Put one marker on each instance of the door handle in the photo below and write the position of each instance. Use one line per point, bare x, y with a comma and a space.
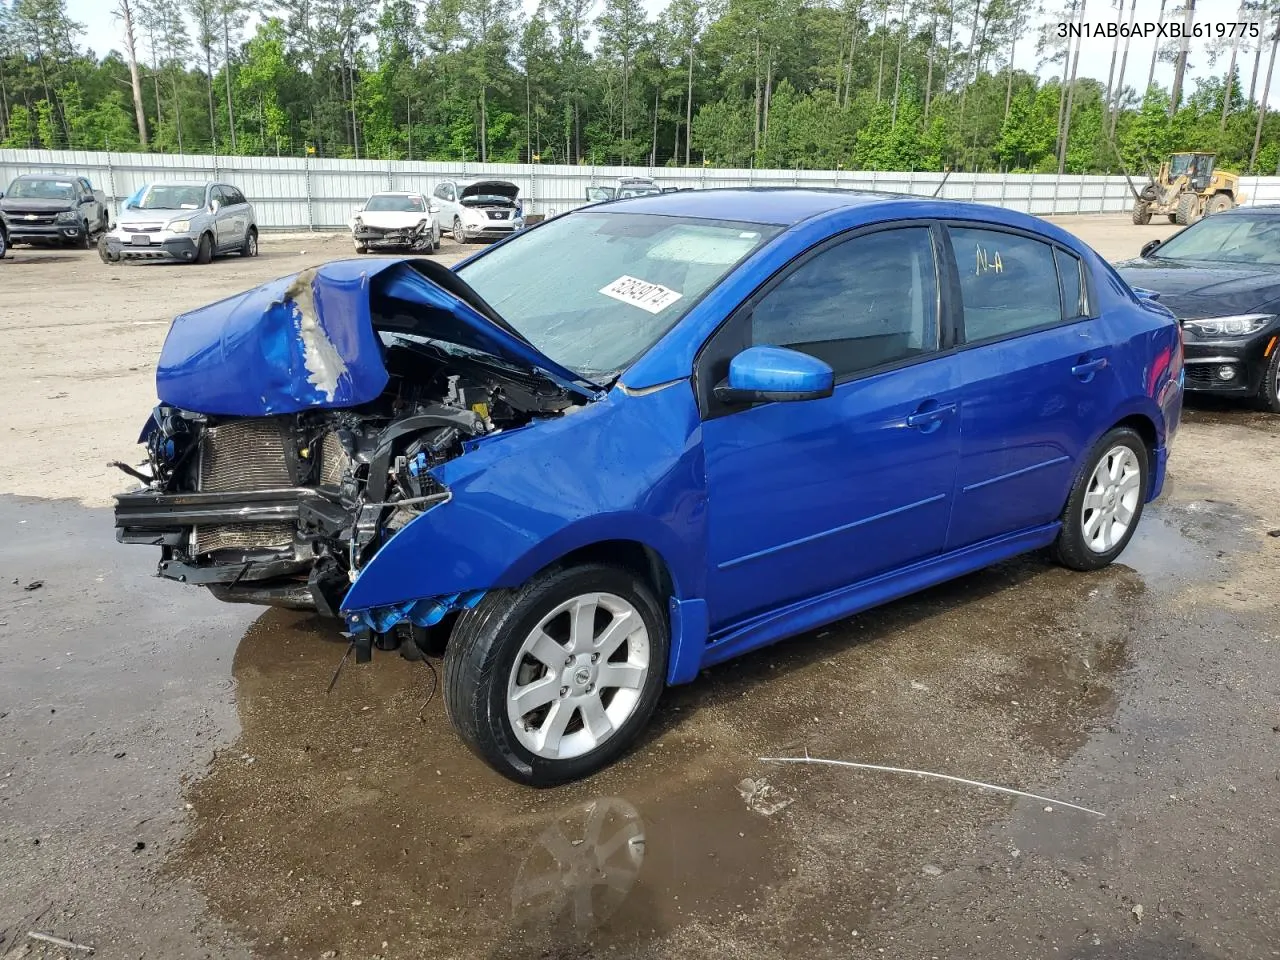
1085, 369
929, 419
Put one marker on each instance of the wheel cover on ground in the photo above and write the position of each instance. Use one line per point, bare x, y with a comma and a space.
578, 676
1111, 501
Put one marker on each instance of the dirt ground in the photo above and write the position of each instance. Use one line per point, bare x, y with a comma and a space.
175, 782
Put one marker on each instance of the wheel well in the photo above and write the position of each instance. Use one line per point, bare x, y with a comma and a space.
1145, 429
631, 555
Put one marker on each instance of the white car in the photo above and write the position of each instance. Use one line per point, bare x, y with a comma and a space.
478, 209
395, 221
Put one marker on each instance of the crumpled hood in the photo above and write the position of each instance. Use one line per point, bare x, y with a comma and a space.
308, 340
392, 219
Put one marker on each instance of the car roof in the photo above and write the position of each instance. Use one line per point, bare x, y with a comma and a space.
787, 206
1259, 210
50, 176
396, 193
186, 183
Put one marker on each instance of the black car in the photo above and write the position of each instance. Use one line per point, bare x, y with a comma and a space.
1221, 279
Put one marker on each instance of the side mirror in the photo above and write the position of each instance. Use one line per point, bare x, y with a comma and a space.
597, 194
761, 374
433, 208
214, 206
1148, 248
1142, 293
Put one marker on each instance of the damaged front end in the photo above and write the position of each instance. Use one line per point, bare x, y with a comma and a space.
418, 237
300, 425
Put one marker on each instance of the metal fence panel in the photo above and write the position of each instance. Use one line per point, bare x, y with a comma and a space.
294, 193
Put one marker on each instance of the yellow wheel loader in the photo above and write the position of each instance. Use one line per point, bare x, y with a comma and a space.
1187, 189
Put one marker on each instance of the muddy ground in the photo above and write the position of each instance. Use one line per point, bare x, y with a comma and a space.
175, 782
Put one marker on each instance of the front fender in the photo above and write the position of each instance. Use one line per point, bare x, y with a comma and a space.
623, 468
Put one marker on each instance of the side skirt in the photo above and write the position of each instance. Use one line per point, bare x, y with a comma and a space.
816, 611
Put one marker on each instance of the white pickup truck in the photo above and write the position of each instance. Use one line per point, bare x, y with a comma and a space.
50, 208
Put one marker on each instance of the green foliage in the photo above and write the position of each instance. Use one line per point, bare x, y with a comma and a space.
872, 84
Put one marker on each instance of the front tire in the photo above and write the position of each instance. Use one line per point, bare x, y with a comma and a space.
1188, 209
1141, 212
104, 251
552, 681
459, 234
1105, 503
83, 242
250, 247
1269, 392
204, 250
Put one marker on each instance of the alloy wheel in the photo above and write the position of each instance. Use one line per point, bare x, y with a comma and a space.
1111, 499
578, 676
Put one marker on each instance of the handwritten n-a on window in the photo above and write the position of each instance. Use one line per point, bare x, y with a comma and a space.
987, 262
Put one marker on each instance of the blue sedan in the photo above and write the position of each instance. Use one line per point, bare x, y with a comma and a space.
647, 437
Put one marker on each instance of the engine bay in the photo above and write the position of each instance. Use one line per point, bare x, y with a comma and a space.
286, 510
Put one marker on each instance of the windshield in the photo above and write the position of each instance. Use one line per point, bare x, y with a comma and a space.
1226, 239
593, 291
392, 203
163, 196
1180, 164
43, 190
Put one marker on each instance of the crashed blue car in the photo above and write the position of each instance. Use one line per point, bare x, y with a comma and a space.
647, 437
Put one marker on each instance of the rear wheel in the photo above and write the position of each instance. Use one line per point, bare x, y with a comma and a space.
204, 249
1105, 503
1219, 203
1141, 212
552, 681
1188, 209
1269, 392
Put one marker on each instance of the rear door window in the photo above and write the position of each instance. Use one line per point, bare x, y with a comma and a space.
1009, 283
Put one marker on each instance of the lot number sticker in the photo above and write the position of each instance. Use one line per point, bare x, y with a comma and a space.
653, 297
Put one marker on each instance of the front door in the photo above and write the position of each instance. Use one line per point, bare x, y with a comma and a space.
807, 497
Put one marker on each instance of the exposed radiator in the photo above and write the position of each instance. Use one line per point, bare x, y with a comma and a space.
245, 455
333, 461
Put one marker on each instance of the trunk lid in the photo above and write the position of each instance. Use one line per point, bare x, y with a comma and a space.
309, 340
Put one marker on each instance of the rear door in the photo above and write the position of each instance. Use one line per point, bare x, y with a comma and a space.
807, 497
1037, 375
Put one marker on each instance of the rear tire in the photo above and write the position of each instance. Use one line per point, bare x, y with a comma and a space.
204, 249
1188, 209
1219, 203
1105, 502
1269, 392
535, 656
1141, 213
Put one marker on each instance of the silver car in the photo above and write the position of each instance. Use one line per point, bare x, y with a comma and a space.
184, 221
